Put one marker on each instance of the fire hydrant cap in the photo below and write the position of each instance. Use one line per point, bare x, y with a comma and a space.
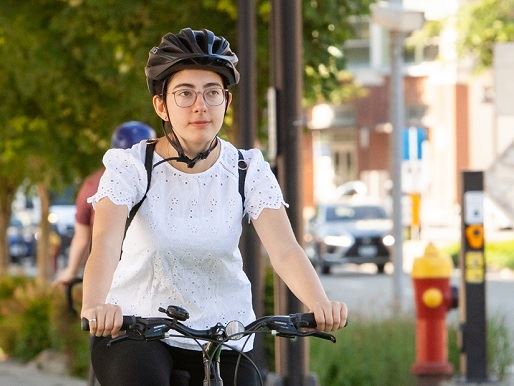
432, 297
432, 264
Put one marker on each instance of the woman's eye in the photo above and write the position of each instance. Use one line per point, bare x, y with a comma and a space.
185, 93
213, 92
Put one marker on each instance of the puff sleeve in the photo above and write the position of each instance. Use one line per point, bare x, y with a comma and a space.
261, 186
124, 180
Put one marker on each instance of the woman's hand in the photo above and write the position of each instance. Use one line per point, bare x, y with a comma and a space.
104, 319
64, 277
330, 315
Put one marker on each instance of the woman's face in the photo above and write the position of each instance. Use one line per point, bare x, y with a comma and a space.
196, 125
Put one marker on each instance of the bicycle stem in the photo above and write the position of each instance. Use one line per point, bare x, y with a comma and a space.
212, 350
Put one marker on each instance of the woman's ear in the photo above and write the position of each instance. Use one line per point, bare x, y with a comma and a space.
160, 107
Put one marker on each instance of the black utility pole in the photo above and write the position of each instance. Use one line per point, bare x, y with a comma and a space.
287, 74
250, 245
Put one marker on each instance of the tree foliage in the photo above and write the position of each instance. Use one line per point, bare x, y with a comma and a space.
326, 26
481, 25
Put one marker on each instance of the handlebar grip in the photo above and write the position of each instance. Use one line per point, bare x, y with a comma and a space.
128, 322
84, 324
303, 320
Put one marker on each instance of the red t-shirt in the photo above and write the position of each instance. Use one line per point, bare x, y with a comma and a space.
84, 211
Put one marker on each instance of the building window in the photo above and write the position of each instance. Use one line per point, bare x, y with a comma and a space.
357, 49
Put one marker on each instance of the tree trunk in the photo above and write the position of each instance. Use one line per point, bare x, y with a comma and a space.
6, 198
43, 247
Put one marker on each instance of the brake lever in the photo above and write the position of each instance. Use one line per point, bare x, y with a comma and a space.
141, 332
121, 338
319, 334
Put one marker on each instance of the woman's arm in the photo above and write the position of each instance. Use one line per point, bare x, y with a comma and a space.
294, 268
107, 238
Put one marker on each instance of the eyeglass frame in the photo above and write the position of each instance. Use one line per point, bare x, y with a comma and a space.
225, 92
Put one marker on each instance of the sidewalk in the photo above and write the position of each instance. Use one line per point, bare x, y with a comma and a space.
17, 374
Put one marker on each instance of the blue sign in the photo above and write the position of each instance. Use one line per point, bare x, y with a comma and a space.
412, 140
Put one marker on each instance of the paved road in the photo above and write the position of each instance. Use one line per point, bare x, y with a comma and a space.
15, 374
371, 295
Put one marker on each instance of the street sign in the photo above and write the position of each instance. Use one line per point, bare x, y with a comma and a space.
475, 263
474, 207
412, 141
475, 235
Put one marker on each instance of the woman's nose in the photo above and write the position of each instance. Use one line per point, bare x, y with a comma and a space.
199, 104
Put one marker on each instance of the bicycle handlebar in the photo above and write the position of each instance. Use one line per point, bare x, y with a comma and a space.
155, 328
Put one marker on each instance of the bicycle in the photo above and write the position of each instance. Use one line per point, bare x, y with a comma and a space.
216, 337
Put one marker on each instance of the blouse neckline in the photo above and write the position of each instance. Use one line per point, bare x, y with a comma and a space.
210, 169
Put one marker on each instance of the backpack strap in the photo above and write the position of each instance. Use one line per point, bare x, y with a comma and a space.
150, 147
242, 167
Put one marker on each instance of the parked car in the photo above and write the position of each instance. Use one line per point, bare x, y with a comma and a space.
21, 240
350, 232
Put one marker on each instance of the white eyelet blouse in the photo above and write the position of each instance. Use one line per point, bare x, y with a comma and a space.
182, 246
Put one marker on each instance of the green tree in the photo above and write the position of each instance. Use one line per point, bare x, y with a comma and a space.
481, 25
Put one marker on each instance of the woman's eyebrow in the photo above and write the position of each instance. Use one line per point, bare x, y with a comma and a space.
212, 84
189, 85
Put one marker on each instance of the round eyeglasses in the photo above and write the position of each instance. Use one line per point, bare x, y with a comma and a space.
186, 97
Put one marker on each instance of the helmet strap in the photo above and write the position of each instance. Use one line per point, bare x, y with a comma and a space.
182, 157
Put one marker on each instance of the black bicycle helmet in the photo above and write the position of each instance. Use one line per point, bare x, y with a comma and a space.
196, 49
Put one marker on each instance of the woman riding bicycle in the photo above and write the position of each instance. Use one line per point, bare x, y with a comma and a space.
182, 247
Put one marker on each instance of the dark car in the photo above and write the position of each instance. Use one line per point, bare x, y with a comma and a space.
21, 240
350, 232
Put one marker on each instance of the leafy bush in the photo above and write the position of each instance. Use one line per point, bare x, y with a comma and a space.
67, 336
377, 352
498, 254
382, 352
25, 320
8, 284
500, 346
35, 317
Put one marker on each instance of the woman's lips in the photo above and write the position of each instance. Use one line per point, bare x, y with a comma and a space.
200, 123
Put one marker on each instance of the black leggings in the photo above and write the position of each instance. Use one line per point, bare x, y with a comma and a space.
140, 363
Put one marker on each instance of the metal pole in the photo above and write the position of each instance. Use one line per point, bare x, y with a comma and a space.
473, 315
250, 245
288, 82
398, 122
